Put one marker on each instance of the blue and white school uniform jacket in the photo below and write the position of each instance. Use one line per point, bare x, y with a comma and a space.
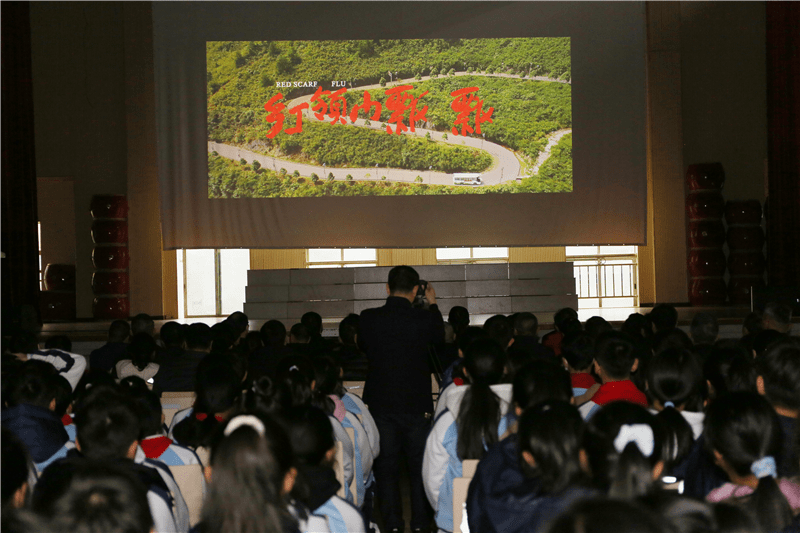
362, 456
441, 464
311, 523
342, 516
69, 365
348, 459
180, 510
356, 405
175, 454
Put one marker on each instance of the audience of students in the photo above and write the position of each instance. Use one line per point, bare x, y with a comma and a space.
717, 415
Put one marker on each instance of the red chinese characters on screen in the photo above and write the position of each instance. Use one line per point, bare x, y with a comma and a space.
367, 103
274, 111
465, 102
335, 107
399, 100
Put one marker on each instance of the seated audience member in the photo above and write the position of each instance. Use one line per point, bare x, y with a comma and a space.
526, 337
177, 372
607, 515
744, 434
614, 362
315, 486
663, 317
565, 321
63, 408
252, 342
172, 337
31, 413
353, 360
140, 359
16, 468
779, 381
499, 479
764, 339
577, 355
671, 338
624, 446
750, 326
300, 341
223, 337
57, 352
455, 372
470, 423
251, 477
597, 325
777, 316
313, 321
143, 323
109, 354
240, 324
637, 326
688, 515
152, 441
108, 430
263, 361
217, 393
458, 317
500, 329
729, 368
93, 496
704, 329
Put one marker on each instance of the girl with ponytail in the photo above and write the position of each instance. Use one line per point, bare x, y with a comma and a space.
624, 450
743, 433
469, 424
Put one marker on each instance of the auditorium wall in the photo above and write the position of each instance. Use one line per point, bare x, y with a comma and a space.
94, 120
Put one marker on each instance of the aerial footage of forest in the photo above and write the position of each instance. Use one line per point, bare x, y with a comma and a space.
525, 146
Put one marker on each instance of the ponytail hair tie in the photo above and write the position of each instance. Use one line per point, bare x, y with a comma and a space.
202, 416
294, 368
669, 404
764, 467
245, 420
639, 434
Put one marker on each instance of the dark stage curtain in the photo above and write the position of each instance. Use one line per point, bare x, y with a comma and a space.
20, 266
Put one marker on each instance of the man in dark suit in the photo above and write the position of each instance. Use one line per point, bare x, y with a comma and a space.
396, 339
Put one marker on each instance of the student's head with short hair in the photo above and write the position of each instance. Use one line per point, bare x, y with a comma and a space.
729, 369
704, 328
564, 315
526, 325
299, 334
403, 280
779, 374
92, 497
172, 334
540, 381
119, 331
743, 433
764, 338
637, 326
223, 337
107, 424
752, 323
327, 375
251, 476
469, 335
34, 383
614, 356
313, 321
147, 404
577, 349
273, 333
602, 515
671, 338
239, 321
663, 317
777, 316
58, 342
624, 448
549, 445
143, 323
458, 317
198, 337
348, 329
142, 350
597, 325
500, 329
15, 463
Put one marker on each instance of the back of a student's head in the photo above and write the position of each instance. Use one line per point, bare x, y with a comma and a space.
602, 515
549, 443
142, 350
58, 342
198, 337
327, 372
22, 341
147, 404
273, 333
296, 372
313, 321
143, 323
458, 317
577, 349
752, 323
34, 383
469, 335
704, 328
671, 338
742, 430
614, 353
92, 497
764, 339
119, 331
623, 443
662, 317
299, 334
777, 316
779, 374
348, 329
500, 329
172, 334
564, 316
729, 368
526, 324
310, 433
637, 325
596, 325
106, 423
402, 279
239, 321
223, 337
540, 381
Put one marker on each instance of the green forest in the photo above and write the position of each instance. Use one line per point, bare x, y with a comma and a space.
241, 77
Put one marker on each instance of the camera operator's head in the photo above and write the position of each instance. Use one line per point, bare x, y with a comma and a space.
403, 282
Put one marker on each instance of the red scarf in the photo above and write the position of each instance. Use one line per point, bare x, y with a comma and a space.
153, 447
66, 419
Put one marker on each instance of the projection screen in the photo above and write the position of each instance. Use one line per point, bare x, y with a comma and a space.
400, 124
